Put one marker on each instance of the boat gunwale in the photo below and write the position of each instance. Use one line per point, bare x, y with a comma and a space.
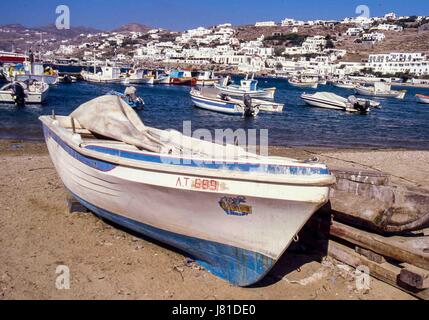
317, 180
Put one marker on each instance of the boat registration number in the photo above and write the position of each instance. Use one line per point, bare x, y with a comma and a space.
200, 184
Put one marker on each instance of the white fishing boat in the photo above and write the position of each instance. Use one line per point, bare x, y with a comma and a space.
222, 103
304, 82
106, 75
24, 92
233, 211
139, 76
344, 84
207, 78
208, 97
31, 71
421, 98
328, 100
381, 90
247, 86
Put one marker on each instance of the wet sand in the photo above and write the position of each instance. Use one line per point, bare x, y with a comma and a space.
37, 234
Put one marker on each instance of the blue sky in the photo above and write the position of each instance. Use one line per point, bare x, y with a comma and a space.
183, 14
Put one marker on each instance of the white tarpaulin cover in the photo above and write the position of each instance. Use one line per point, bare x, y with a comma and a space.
111, 117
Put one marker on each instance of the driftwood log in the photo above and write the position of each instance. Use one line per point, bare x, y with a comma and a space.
369, 200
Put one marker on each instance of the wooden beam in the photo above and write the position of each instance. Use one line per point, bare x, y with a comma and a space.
385, 272
387, 247
415, 277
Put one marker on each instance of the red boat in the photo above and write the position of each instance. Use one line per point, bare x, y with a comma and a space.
11, 57
183, 78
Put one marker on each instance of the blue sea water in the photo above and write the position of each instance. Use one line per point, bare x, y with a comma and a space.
400, 123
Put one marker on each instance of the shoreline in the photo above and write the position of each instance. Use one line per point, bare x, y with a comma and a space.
107, 262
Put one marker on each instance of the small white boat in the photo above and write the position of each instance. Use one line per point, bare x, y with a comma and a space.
24, 92
207, 78
322, 81
421, 98
304, 83
139, 76
233, 211
247, 86
328, 100
381, 90
222, 103
344, 84
106, 75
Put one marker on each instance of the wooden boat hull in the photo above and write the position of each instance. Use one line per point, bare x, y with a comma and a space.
422, 98
183, 81
237, 229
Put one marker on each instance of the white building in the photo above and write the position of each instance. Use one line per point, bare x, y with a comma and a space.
391, 63
354, 32
388, 27
373, 37
265, 24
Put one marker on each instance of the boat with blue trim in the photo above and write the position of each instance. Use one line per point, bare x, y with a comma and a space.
130, 97
247, 87
233, 211
222, 103
213, 100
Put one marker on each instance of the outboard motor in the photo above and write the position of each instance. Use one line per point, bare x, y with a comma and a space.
67, 79
248, 107
18, 93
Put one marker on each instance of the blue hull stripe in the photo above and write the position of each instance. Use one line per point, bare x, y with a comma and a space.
233, 166
91, 162
238, 266
225, 105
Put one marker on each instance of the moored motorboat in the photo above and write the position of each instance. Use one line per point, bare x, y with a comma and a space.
421, 98
381, 90
232, 211
27, 92
303, 83
247, 86
214, 95
328, 100
222, 103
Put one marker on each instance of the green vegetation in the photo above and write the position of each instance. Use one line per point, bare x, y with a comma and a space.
294, 39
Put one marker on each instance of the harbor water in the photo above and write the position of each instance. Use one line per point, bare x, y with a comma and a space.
398, 124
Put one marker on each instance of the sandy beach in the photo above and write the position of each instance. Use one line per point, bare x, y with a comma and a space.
106, 262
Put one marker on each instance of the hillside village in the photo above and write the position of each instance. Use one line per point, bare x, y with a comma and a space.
388, 45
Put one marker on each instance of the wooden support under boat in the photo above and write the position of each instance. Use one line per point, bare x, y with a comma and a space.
386, 272
398, 248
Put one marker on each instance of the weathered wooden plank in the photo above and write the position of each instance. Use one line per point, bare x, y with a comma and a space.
385, 272
415, 277
387, 247
371, 255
